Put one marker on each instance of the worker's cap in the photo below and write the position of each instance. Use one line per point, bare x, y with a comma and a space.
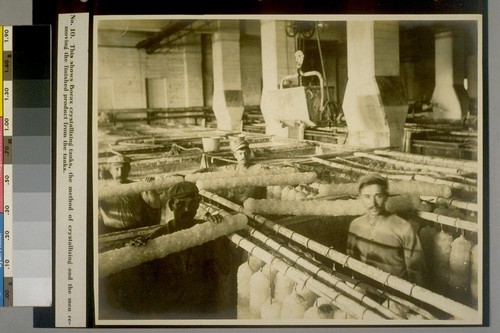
372, 178
119, 159
182, 190
238, 142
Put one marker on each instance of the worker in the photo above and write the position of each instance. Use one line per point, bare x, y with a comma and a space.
128, 211
189, 283
183, 201
381, 239
243, 156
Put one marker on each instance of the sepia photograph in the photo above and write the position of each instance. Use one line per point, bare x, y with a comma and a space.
288, 170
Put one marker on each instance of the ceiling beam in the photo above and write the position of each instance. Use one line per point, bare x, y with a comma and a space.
172, 33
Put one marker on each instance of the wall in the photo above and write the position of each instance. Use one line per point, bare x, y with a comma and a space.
124, 67
123, 72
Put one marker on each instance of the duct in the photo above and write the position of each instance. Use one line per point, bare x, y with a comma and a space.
449, 97
374, 103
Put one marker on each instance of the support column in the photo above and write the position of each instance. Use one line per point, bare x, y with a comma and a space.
228, 103
374, 104
449, 97
278, 61
277, 53
175, 80
193, 77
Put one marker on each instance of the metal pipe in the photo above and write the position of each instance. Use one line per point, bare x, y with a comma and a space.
450, 221
409, 165
321, 273
344, 303
462, 164
447, 305
472, 206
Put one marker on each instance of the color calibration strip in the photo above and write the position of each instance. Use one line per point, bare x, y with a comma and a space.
31, 163
27, 201
1, 175
7, 164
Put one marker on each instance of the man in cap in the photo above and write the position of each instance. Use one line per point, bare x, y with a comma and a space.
381, 239
241, 152
183, 201
187, 283
243, 155
128, 211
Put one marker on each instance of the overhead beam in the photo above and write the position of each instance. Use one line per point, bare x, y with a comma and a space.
171, 34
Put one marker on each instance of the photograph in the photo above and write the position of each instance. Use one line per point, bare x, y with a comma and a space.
287, 170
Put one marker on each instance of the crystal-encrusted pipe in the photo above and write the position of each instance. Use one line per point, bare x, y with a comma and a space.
268, 180
130, 256
108, 190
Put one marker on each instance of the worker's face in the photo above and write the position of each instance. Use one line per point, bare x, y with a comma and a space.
120, 172
299, 58
184, 209
373, 198
242, 156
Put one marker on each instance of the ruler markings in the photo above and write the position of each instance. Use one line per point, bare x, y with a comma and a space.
7, 92
1, 177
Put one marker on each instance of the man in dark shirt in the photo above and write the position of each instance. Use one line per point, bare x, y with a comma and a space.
185, 284
127, 211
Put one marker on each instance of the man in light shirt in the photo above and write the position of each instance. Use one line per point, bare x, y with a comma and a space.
382, 239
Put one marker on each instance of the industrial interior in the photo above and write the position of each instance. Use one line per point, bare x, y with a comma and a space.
327, 101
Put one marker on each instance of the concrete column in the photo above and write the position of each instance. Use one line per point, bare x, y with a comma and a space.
278, 61
228, 103
374, 104
449, 96
277, 53
193, 83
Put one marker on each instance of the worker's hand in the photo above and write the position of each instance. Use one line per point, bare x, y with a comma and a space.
139, 241
214, 218
265, 166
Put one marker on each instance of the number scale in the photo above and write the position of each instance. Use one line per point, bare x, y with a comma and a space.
7, 62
